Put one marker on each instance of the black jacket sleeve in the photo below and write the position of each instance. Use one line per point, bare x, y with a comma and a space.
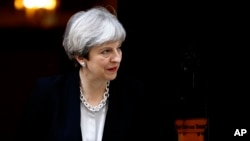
35, 121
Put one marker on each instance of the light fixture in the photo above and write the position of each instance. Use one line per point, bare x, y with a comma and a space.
39, 11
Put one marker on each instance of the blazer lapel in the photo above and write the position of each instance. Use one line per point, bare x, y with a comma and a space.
72, 130
117, 120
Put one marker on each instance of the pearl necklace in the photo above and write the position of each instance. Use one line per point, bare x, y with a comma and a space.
100, 105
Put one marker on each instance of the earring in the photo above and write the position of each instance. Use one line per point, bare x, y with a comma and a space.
83, 64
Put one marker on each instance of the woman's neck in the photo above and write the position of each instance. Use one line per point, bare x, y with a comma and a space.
92, 89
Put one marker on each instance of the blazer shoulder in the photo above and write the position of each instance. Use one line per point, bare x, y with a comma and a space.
57, 81
46, 82
42, 86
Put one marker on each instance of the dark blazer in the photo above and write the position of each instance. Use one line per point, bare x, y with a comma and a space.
53, 111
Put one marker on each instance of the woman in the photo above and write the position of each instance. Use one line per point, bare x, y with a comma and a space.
90, 103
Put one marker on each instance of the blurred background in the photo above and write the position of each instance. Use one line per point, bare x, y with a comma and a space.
180, 51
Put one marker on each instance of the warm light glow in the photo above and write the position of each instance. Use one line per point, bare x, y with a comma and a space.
18, 4
35, 4
39, 12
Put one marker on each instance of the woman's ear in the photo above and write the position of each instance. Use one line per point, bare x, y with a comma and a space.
80, 60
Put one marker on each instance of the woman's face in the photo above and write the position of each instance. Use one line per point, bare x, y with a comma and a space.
104, 60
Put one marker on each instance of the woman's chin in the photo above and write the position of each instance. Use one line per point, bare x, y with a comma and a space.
112, 77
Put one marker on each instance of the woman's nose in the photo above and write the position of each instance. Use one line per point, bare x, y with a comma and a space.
117, 57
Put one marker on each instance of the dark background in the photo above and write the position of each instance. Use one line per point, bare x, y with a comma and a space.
193, 58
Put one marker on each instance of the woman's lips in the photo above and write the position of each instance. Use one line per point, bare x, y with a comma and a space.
114, 69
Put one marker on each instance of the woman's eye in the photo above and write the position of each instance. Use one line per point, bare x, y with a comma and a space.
105, 51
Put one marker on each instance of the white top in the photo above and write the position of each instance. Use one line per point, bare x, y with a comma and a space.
92, 123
